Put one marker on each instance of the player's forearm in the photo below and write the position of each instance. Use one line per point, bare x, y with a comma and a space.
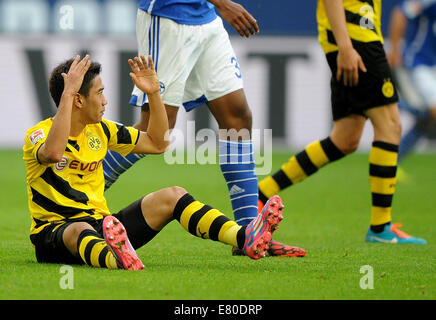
218, 3
336, 15
57, 138
397, 27
158, 122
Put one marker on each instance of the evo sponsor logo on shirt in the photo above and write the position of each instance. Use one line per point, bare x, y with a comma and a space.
77, 165
87, 167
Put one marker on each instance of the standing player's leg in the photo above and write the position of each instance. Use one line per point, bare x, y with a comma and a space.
343, 140
216, 80
237, 164
419, 99
236, 155
409, 141
383, 159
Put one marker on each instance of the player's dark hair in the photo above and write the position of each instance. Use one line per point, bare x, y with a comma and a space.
56, 81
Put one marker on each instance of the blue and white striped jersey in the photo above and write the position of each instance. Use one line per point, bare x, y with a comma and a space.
190, 12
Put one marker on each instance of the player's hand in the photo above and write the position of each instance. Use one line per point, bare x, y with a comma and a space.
74, 78
144, 77
349, 63
238, 18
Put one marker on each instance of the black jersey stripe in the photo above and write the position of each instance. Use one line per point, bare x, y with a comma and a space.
39, 223
63, 187
137, 138
123, 135
369, 2
106, 130
350, 17
52, 206
74, 144
355, 18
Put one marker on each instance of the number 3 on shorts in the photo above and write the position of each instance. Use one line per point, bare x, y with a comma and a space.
235, 62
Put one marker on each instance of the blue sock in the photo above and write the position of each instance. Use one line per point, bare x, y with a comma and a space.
114, 164
237, 165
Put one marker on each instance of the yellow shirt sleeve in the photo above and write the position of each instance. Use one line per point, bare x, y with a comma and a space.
121, 139
35, 137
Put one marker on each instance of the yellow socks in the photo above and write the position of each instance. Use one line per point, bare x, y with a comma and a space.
382, 178
208, 223
94, 251
299, 167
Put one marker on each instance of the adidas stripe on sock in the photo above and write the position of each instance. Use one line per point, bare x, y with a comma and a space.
237, 165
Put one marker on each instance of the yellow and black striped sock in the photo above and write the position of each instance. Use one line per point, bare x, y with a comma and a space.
299, 167
208, 223
94, 251
382, 177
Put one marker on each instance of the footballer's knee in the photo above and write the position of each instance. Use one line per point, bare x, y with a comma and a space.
239, 117
346, 143
175, 194
158, 207
386, 123
71, 235
350, 146
172, 196
232, 111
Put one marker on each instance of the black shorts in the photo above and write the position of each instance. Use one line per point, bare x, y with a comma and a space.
375, 88
50, 247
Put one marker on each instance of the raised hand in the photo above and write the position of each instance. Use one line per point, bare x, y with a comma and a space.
74, 78
144, 77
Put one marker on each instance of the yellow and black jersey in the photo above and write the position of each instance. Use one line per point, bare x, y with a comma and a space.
72, 188
363, 19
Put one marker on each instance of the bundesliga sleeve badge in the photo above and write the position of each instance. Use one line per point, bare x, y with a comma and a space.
37, 135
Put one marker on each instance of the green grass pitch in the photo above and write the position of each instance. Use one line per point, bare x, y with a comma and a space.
328, 215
